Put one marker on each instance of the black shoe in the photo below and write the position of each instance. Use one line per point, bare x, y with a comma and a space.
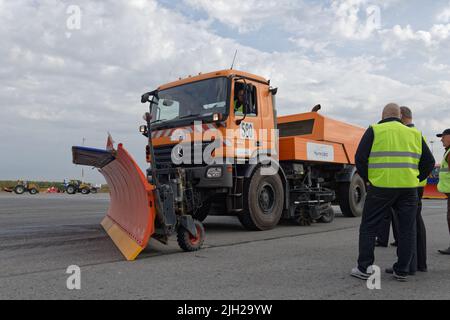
446, 251
379, 244
359, 274
391, 271
394, 244
422, 269
398, 277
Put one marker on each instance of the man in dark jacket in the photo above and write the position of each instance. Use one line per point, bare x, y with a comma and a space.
419, 262
392, 176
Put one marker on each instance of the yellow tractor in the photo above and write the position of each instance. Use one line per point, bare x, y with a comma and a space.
77, 186
24, 186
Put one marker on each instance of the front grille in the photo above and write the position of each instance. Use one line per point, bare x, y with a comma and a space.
163, 155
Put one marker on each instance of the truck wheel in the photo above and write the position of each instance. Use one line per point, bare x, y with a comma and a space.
327, 217
19, 189
33, 191
202, 212
189, 243
263, 202
71, 189
85, 191
94, 191
352, 196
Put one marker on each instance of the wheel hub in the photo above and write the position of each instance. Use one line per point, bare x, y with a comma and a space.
266, 198
357, 195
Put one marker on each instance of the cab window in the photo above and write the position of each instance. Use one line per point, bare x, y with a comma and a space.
239, 99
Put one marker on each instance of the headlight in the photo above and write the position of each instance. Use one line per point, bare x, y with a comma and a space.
213, 173
143, 129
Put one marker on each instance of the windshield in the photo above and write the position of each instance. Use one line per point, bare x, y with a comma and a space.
192, 99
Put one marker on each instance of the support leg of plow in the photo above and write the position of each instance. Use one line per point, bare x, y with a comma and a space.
130, 221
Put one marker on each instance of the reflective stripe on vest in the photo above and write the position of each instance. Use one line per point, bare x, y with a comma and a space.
444, 175
395, 156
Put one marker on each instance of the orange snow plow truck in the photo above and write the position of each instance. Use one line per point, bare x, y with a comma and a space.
215, 146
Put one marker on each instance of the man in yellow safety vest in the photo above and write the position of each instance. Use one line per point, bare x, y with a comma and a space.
444, 177
392, 159
239, 103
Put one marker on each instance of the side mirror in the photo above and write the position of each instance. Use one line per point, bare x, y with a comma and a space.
146, 96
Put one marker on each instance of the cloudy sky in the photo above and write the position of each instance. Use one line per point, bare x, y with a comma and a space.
63, 79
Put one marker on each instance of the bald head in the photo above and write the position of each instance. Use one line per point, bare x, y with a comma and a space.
392, 110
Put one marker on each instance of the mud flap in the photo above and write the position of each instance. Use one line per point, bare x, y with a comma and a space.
130, 221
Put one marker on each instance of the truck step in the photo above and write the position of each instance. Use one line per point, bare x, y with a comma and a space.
237, 195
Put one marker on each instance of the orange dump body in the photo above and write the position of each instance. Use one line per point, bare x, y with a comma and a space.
313, 137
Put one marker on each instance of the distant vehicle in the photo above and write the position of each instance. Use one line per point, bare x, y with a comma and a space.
53, 189
24, 186
77, 186
431, 191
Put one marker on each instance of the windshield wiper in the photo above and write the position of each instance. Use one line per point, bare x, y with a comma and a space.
188, 116
157, 121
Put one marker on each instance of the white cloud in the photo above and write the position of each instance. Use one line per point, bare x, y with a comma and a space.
444, 15
356, 19
249, 15
434, 41
61, 89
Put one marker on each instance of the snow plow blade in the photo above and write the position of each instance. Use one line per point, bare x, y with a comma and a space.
130, 221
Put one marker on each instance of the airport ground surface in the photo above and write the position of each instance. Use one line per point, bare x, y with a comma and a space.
40, 236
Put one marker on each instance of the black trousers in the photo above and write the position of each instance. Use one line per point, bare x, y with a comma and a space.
378, 201
448, 211
420, 259
385, 227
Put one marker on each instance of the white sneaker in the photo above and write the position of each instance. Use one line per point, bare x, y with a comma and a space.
360, 275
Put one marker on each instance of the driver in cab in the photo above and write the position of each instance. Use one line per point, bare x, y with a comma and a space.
239, 102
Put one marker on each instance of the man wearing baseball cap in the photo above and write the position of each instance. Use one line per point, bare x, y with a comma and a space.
444, 177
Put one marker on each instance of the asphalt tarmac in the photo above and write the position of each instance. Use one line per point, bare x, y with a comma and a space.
41, 236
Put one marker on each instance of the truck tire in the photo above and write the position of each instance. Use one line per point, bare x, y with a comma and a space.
19, 190
33, 191
85, 191
351, 196
71, 189
189, 243
94, 190
263, 202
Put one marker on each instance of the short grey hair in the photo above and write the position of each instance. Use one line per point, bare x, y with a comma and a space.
406, 112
